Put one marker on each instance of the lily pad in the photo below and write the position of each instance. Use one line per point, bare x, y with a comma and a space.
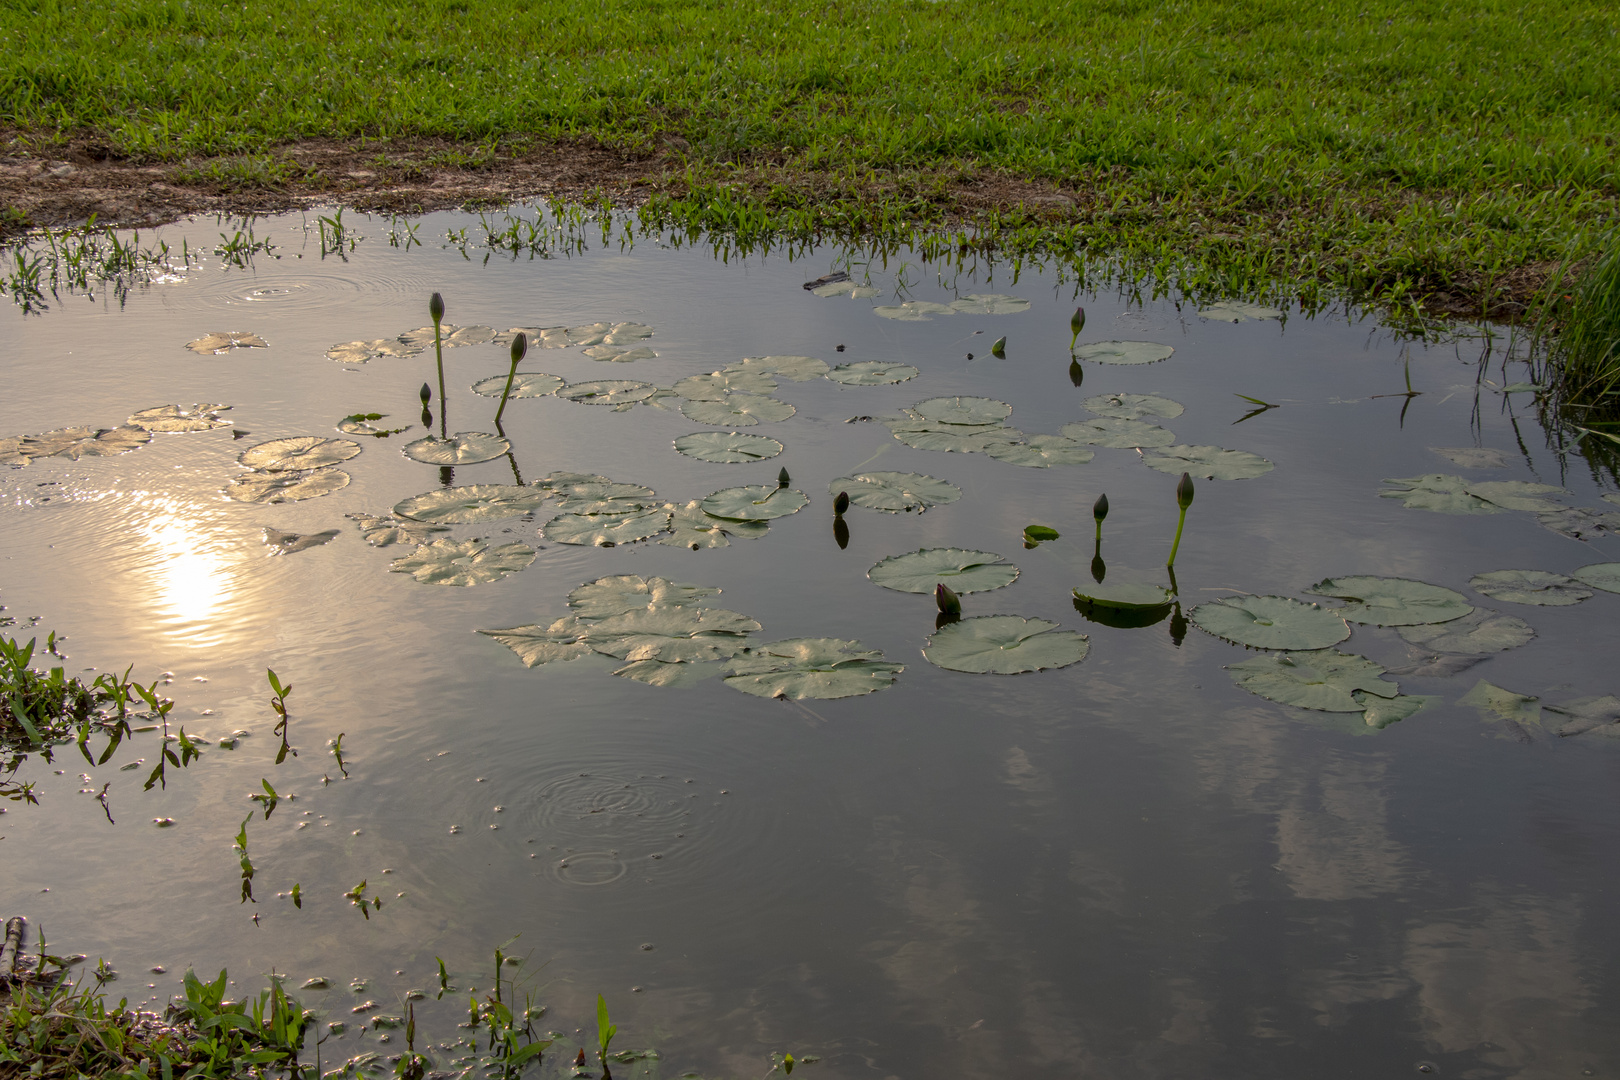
298, 453
607, 498
1124, 352
286, 486
672, 634
1004, 645
172, 418
727, 447
1530, 587
616, 355
1234, 312
1118, 432
990, 304
451, 337
755, 502
470, 503
361, 424
691, 528
1518, 494
286, 543
739, 410
1209, 462
1270, 622
1605, 576
463, 562
606, 530
78, 442
1134, 406
1125, 595
389, 530
1381, 712
960, 570
975, 411
895, 491
1325, 680
1041, 451
872, 373
536, 644
718, 384
619, 593
358, 352
526, 384
1382, 601
1580, 522
791, 368
1438, 493
1494, 702
1472, 457
609, 333
608, 392
949, 438
913, 311
223, 341
846, 287
669, 676
1587, 716
462, 448
1484, 631
816, 668
11, 451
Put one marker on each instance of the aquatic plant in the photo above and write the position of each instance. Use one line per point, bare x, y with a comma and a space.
520, 346
1184, 498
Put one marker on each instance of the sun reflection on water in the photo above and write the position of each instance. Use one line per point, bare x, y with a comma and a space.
191, 580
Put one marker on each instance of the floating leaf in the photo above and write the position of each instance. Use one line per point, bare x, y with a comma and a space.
619, 593
606, 530
451, 337
1118, 432
385, 531
1381, 712
1209, 462
1437, 492
462, 448
691, 528
1125, 595
1605, 576
362, 425
718, 384
1004, 645
602, 333
740, 410
755, 502
1234, 312
672, 634
172, 418
727, 447
470, 503
1472, 457
913, 311
1530, 587
607, 392
872, 373
614, 354
535, 644
1041, 451
524, 384
976, 411
1133, 406
11, 452
1270, 622
463, 562
840, 288
1383, 601
298, 453
1494, 702
989, 304
77, 442
895, 491
285, 543
791, 368
1518, 494
1588, 715
1325, 681
817, 668
960, 570
1484, 631
608, 498
1124, 352
358, 352
1580, 523
950, 438
673, 676
286, 486
223, 341
1040, 534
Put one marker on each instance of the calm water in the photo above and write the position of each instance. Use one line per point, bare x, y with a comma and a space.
1126, 868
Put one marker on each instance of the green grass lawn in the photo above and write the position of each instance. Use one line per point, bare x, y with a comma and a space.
1384, 149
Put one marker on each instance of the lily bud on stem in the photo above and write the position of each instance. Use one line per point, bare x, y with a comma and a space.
1184, 498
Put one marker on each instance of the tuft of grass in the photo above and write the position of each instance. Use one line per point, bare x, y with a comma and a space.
1587, 351
242, 172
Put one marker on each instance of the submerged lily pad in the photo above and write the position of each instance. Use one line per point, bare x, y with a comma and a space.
1381, 712
1587, 716
1125, 595
1124, 352
358, 352
619, 593
286, 543
845, 287
462, 448
727, 447
172, 418
973, 411
989, 304
1209, 462
298, 453
616, 355
755, 502
1118, 432
1383, 601
470, 503
463, 562
451, 337
1134, 406
1605, 576
1530, 587
527, 384
1234, 312
1004, 645
717, 384
223, 341
1438, 493
1270, 622
535, 644
78, 442
691, 528
1580, 522
913, 311
1484, 631
1325, 680
669, 676
895, 491
672, 634
960, 570
1494, 702
872, 373
1472, 457
279, 487
1518, 494
389, 530
11, 452
816, 668
606, 530
791, 368
607, 392
740, 410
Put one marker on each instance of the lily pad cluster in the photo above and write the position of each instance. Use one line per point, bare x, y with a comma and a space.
599, 341
81, 442
1595, 717
292, 469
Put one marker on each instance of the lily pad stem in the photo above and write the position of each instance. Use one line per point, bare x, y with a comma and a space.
436, 309
520, 345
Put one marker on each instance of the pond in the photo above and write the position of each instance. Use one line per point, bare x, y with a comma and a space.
1143, 860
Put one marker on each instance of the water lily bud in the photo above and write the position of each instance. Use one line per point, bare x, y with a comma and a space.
948, 602
998, 348
1077, 323
841, 503
1184, 491
1099, 509
426, 393
436, 308
520, 346
782, 479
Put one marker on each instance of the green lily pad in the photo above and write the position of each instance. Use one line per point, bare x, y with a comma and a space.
526, 384
361, 424
298, 453
691, 528
1580, 522
1530, 587
846, 287
1495, 703
1209, 462
1117, 432
791, 368
463, 562
536, 644
1004, 645
286, 543
913, 311
872, 373
1234, 312
1040, 534
1134, 406
286, 486
1598, 716
727, 447
619, 593
608, 392
1382, 601
1125, 595
172, 418
1270, 622
451, 337
895, 491
1472, 457
470, 503
1438, 493
606, 497
717, 384
223, 341
81, 442
755, 502
1325, 680
1124, 352
737, 410
817, 668
603, 333
1518, 494
606, 530
1484, 631
672, 634
950, 438
960, 570
358, 352
973, 411
1381, 712
617, 355
669, 676
389, 530
462, 448
1605, 576
1041, 452
989, 304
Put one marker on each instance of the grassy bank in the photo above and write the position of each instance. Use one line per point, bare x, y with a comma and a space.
1395, 150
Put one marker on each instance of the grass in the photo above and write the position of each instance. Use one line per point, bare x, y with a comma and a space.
1575, 355
1388, 150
